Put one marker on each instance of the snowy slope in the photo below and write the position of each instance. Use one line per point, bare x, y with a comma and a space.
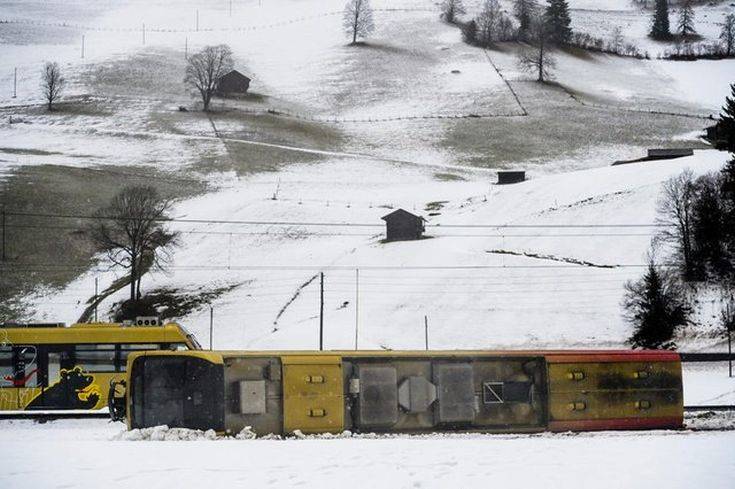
508, 301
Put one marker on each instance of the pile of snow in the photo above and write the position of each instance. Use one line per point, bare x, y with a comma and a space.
164, 433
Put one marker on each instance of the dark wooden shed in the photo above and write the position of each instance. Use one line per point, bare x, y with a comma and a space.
506, 177
233, 83
669, 153
401, 225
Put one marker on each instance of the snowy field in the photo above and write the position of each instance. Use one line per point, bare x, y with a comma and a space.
75, 453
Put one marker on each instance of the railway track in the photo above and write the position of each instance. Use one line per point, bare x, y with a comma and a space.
48, 416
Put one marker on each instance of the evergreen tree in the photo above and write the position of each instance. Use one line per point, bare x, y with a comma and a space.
686, 19
523, 10
451, 9
657, 307
708, 227
660, 25
469, 32
726, 124
727, 190
727, 34
728, 110
558, 21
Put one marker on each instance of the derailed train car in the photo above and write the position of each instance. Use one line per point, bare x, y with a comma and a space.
409, 391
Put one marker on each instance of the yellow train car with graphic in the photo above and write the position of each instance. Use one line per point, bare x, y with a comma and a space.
49, 367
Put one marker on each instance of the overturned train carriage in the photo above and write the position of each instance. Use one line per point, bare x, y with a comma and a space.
421, 391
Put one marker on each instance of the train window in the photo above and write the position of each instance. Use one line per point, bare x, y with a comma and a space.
26, 367
492, 393
6, 366
95, 358
506, 392
127, 349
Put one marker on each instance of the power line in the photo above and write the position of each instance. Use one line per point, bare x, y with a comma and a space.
335, 224
42, 267
443, 235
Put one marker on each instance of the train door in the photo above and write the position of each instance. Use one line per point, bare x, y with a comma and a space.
313, 394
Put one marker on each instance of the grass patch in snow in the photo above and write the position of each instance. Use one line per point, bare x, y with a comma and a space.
46, 251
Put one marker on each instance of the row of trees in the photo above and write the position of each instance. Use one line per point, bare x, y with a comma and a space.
661, 24
698, 221
493, 24
699, 214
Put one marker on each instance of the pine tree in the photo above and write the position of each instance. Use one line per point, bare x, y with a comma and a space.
708, 227
686, 19
558, 20
727, 190
451, 9
657, 307
728, 110
727, 34
523, 10
469, 32
660, 25
726, 124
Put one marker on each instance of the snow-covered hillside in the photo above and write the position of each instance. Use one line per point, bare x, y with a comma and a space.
474, 283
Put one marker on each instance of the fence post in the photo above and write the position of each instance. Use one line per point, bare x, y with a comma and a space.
96, 293
426, 332
321, 312
15, 82
357, 304
211, 326
3, 233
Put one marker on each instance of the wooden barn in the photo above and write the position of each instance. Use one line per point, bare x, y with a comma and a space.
233, 83
401, 225
506, 177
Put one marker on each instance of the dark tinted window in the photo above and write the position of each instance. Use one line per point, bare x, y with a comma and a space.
178, 392
95, 358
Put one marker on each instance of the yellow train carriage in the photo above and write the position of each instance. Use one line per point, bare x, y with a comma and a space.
409, 391
52, 367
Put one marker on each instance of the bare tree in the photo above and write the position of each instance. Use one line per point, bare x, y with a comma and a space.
131, 232
52, 83
727, 34
451, 9
537, 57
205, 68
487, 22
676, 215
358, 19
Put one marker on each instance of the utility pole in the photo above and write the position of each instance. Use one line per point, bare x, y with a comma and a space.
15, 82
143, 33
197, 20
357, 304
321, 312
3, 233
186, 48
82, 46
230, 8
728, 316
96, 288
211, 326
426, 332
